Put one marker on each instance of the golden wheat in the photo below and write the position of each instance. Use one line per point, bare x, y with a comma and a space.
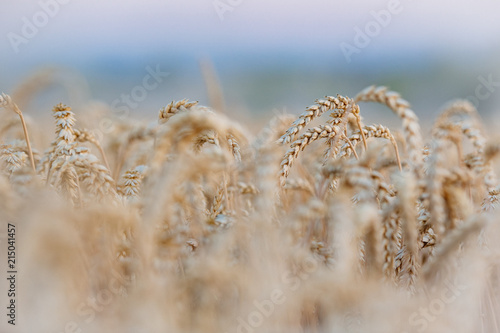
202, 227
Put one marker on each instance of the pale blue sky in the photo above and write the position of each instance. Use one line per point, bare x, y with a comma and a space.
92, 27
118, 37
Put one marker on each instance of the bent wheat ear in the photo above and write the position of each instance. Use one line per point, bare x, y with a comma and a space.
401, 107
340, 118
311, 135
84, 135
6, 102
94, 175
185, 127
315, 111
456, 108
207, 136
174, 108
350, 145
372, 131
462, 116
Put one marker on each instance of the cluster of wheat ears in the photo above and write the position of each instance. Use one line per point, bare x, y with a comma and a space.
192, 224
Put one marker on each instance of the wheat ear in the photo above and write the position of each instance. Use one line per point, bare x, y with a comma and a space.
406, 186
84, 135
183, 106
372, 131
312, 134
174, 108
187, 126
132, 180
452, 241
401, 107
14, 159
217, 204
390, 239
6, 102
315, 111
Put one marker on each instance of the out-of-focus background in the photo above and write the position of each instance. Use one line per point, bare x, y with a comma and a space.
268, 56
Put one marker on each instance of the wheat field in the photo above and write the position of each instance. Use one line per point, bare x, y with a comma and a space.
187, 221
